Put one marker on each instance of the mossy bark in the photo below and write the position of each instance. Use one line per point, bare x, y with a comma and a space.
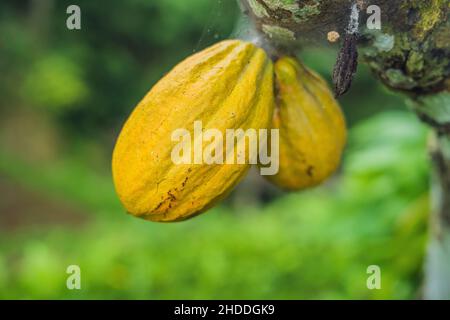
410, 54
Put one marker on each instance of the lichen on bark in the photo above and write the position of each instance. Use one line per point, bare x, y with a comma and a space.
419, 61
296, 17
411, 53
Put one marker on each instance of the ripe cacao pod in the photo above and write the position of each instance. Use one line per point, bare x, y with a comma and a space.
226, 86
312, 127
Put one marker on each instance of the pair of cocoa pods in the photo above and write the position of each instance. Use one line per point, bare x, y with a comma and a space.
231, 85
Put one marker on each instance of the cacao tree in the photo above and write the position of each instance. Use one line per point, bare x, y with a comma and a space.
409, 53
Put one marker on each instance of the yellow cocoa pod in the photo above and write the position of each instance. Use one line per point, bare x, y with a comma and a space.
311, 127
226, 86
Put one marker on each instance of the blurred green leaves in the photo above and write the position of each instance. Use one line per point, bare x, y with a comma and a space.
314, 244
54, 83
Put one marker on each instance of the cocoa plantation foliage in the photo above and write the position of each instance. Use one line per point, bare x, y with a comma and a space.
67, 94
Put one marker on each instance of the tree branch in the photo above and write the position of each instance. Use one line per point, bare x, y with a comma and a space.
410, 54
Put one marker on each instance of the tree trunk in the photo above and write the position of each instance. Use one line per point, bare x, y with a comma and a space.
437, 269
410, 54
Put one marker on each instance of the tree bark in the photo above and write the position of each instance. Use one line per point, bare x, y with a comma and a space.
437, 268
410, 54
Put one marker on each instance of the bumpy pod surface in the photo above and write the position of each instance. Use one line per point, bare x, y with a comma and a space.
312, 127
226, 86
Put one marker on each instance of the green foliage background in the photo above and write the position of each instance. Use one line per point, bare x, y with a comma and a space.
64, 96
